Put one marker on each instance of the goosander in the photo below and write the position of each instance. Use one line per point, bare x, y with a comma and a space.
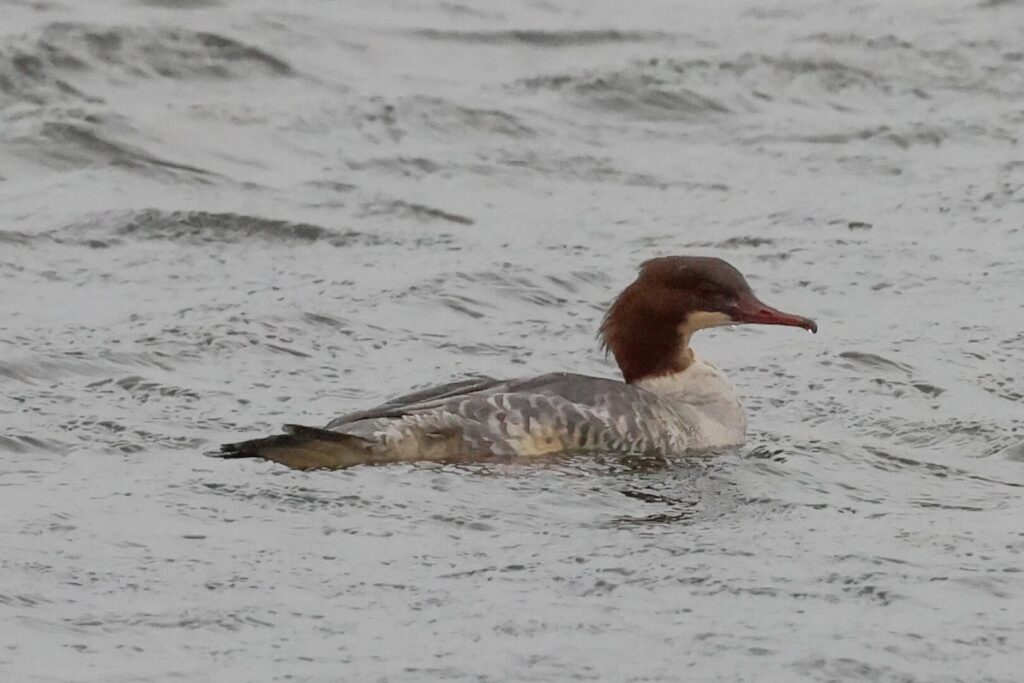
670, 400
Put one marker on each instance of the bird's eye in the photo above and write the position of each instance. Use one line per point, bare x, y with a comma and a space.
708, 289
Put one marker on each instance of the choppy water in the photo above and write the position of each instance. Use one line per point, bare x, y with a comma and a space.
220, 216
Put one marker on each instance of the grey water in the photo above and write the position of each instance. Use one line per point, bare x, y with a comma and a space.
218, 216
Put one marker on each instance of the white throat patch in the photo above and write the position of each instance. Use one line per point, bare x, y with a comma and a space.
699, 320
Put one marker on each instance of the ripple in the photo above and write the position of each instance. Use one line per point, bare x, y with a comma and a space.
67, 145
199, 227
142, 388
666, 89
381, 119
409, 210
23, 443
44, 367
544, 39
875, 362
630, 92
37, 65
181, 4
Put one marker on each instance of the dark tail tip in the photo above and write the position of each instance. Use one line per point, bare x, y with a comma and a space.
230, 451
302, 448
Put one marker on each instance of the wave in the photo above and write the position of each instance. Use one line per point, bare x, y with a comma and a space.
544, 39
686, 89
664, 89
56, 64
419, 212
80, 144
66, 69
381, 119
197, 227
634, 91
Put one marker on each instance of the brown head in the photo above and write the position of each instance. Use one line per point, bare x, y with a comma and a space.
648, 327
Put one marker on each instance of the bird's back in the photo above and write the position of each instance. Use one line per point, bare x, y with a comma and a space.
484, 418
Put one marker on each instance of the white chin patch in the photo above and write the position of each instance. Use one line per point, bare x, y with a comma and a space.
699, 320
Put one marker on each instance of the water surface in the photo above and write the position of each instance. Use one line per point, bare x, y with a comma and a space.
220, 216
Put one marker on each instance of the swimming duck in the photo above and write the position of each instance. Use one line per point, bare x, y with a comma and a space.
670, 400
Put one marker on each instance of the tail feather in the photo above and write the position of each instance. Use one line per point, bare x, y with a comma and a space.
306, 448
